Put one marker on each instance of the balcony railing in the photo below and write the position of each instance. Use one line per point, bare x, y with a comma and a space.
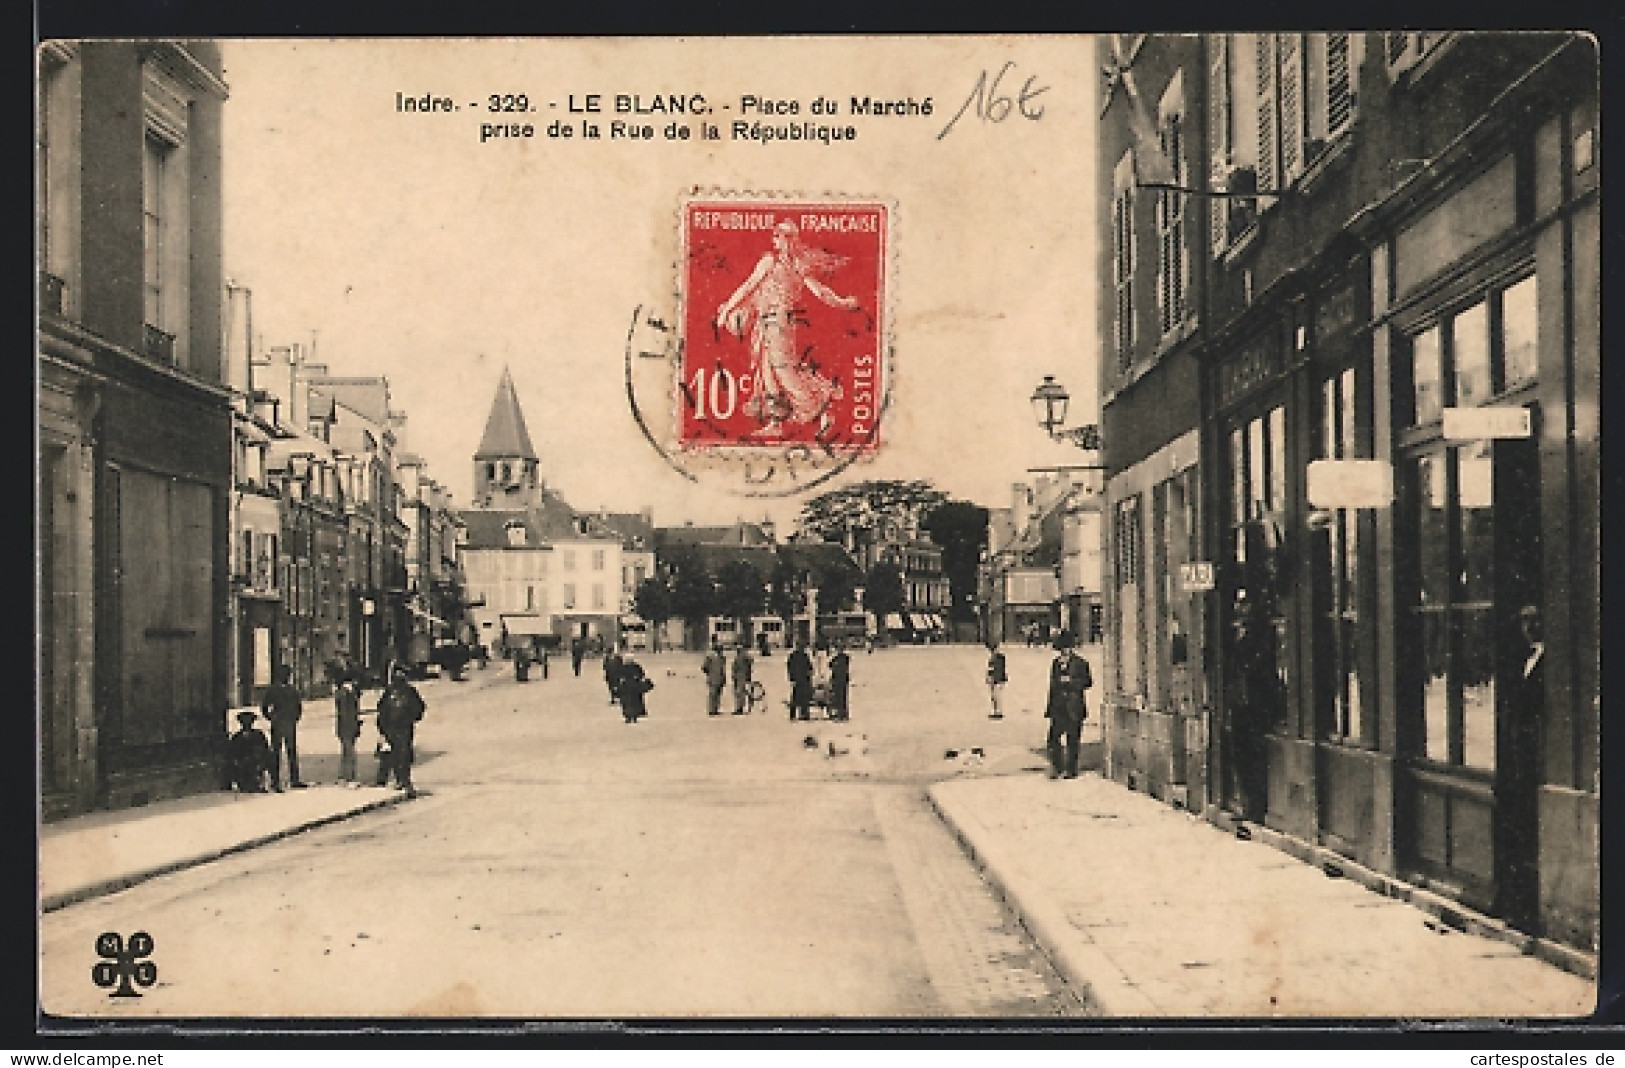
52, 290
159, 345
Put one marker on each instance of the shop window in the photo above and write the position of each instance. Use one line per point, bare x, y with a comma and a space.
1258, 485
1471, 343
1474, 354
1342, 592
1455, 604
1427, 376
1519, 333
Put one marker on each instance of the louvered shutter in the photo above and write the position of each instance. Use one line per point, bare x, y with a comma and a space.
1339, 84
1290, 91
1264, 56
1219, 134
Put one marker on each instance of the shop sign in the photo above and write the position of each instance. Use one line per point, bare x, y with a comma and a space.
1338, 311
1476, 424
1196, 576
1350, 483
1254, 365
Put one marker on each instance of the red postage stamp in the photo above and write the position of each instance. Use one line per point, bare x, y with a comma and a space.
783, 319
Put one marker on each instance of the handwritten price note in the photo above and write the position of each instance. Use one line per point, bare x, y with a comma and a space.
990, 105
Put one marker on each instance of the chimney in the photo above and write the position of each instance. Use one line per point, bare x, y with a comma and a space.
239, 334
298, 390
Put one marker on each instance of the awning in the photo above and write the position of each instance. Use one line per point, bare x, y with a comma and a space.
524, 626
894, 621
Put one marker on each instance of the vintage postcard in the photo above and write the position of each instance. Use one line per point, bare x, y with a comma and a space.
1063, 528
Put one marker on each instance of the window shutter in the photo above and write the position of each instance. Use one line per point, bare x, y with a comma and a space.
1219, 133
1339, 84
1264, 55
1403, 49
1290, 91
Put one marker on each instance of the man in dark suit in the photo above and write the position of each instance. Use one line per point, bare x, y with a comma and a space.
799, 668
1066, 708
840, 684
400, 708
283, 708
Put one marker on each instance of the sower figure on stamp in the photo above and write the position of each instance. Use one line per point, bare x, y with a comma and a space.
399, 710
783, 387
248, 755
283, 708
1067, 708
715, 669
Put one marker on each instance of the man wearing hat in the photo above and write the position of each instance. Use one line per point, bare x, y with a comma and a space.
399, 710
1066, 709
347, 724
248, 755
283, 708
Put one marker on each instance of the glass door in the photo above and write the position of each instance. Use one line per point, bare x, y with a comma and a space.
1476, 760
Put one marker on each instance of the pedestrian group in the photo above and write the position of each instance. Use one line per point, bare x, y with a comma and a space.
254, 762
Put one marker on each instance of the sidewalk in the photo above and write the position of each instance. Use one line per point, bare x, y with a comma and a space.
1156, 912
102, 852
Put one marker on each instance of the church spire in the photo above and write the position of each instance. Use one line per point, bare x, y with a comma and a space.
505, 435
506, 467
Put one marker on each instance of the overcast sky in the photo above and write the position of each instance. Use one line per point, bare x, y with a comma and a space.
409, 249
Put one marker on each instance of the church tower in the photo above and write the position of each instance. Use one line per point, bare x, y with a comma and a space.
506, 469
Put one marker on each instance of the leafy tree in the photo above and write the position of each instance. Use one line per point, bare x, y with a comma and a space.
740, 594
784, 598
652, 601
860, 509
960, 528
693, 592
883, 590
835, 585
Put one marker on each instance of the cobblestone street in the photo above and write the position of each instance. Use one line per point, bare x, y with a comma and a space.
564, 863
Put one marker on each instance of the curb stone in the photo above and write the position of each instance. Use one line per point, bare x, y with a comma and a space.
1453, 914
90, 891
1102, 985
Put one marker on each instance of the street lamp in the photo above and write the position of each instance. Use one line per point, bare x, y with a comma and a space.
1049, 402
